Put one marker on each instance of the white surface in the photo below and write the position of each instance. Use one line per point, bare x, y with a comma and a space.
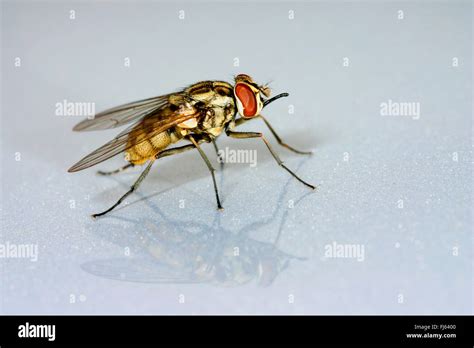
408, 251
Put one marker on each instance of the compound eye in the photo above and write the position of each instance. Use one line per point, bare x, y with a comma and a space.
248, 99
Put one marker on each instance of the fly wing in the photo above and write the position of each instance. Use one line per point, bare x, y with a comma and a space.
155, 123
123, 114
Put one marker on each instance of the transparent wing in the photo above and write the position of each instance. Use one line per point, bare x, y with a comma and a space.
155, 123
123, 114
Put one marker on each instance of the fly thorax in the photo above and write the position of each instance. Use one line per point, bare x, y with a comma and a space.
214, 118
216, 131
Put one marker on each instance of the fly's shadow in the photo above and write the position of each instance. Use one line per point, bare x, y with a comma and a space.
177, 251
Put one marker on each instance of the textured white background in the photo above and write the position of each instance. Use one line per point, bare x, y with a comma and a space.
337, 111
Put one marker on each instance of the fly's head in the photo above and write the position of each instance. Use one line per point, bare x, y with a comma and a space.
251, 98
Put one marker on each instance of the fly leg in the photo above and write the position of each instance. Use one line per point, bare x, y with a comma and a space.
174, 151
142, 176
130, 165
280, 141
133, 188
247, 135
277, 137
219, 156
211, 169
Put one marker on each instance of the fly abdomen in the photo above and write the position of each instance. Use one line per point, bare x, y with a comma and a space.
148, 149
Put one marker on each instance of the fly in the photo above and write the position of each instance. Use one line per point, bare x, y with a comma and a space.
197, 114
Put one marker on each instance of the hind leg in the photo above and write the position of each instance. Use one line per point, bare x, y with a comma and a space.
133, 188
116, 171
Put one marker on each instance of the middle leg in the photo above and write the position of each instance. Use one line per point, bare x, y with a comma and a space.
210, 167
220, 158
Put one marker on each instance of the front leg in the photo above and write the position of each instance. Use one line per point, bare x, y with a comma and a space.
247, 135
277, 137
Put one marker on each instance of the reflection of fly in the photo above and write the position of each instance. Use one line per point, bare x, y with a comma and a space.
198, 114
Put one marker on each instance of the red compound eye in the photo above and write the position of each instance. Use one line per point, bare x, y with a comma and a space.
247, 98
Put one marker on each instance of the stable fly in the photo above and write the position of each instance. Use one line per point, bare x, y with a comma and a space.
197, 114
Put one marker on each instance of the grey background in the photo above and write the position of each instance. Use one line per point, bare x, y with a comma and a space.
337, 111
